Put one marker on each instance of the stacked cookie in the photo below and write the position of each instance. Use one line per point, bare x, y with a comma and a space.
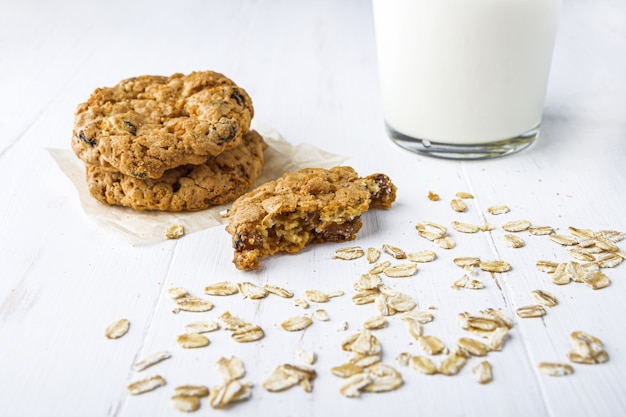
178, 143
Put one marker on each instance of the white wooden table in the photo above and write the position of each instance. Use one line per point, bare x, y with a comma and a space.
310, 68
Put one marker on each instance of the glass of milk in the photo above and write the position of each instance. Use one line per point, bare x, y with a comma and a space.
464, 79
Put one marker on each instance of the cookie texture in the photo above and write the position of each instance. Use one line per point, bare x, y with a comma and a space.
146, 125
306, 206
219, 180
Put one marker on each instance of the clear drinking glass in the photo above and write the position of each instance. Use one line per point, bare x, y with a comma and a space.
464, 79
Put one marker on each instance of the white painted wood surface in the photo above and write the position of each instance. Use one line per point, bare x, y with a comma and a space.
310, 68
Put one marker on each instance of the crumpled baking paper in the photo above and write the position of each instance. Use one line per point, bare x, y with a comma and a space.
146, 227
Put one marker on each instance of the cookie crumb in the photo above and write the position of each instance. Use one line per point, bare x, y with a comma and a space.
175, 231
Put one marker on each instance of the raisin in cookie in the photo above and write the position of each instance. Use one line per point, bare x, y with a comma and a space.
219, 180
306, 206
146, 125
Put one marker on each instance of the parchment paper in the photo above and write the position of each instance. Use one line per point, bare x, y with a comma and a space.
145, 227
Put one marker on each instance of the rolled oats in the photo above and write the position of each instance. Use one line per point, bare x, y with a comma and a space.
150, 360
423, 364
495, 210
482, 372
472, 346
117, 329
286, 376
221, 288
144, 385
431, 345
316, 296
296, 323
495, 266
453, 363
464, 195
372, 255
368, 282
349, 253
446, 242
563, 240
531, 311
513, 241
299, 302
596, 280
307, 357
422, 256
321, 315
540, 230
394, 251
279, 291
177, 292
464, 227
547, 266
467, 261
193, 304
174, 231
384, 378
375, 323
458, 205
379, 268
555, 369
251, 291
346, 370
247, 333
185, 403
192, 340
401, 270
516, 226
544, 298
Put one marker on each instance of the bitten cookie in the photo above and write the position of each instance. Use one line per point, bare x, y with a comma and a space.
306, 206
146, 125
219, 180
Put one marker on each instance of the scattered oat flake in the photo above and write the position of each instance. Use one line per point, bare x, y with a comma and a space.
516, 226
307, 357
117, 329
144, 385
482, 372
193, 304
464, 227
286, 376
185, 403
372, 255
453, 363
403, 358
423, 364
202, 327
385, 378
586, 349
540, 230
466, 261
610, 260
472, 346
401, 270
422, 256
445, 242
596, 280
555, 369
379, 268
375, 323
495, 266
299, 302
349, 253
221, 288
487, 227
458, 205
354, 384
394, 251
248, 333
498, 209
547, 266
531, 311
366, 296
368, 282
321, 315
431, 345
251, 290
544, 298
225, 394
563, 240
230, 369
433, 196
192, 390
177, 292
192, 340
464, 195
513, 241
316, 296
335, 294
175, 231
346, 370
364, 342
150, 360
296, 323
279, 291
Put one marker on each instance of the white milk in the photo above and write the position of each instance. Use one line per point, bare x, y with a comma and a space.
464, 71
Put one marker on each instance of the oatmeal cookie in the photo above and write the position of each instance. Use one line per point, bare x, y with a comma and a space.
219, 180
146, 125
306, 206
